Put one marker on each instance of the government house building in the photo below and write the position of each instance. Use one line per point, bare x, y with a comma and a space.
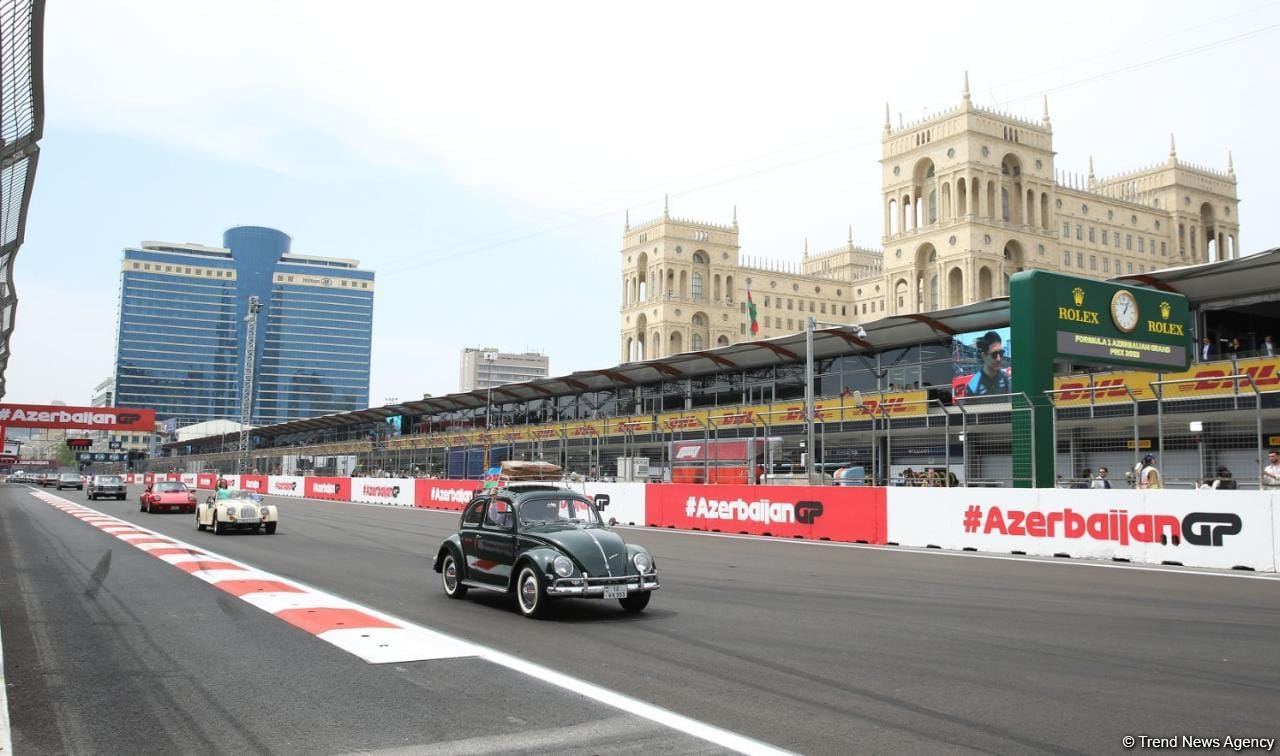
970, 197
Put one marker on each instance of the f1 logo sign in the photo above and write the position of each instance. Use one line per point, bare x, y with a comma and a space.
1209, 528
688, 452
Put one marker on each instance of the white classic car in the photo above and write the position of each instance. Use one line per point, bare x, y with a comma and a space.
239, 510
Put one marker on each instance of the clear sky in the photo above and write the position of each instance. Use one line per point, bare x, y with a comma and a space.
480, 156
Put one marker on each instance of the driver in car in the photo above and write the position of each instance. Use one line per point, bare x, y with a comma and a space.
500, 514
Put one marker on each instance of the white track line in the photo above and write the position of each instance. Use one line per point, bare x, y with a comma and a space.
6, 743
370, 643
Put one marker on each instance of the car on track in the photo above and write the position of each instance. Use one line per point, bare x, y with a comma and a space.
543, 542
239, 510
44, 480
69, 480
167, 496
105, 487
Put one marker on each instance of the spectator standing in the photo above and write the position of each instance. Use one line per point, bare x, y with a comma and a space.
1148, 473
1100, 481
1206, 349
1223, 480
1233, 348
1271, 473
1086, 476
1268, 347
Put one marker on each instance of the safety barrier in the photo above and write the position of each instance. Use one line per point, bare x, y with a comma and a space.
1223, 529
1217, 529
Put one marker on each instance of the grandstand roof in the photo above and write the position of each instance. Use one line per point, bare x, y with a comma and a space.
1220, 285
886, 333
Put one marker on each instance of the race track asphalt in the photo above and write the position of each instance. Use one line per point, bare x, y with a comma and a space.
816, 648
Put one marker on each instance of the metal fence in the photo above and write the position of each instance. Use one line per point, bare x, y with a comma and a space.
1200, 432
925, 443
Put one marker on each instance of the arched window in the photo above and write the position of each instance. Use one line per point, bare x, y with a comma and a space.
1004, 203
697, 286
695, 342
933, 206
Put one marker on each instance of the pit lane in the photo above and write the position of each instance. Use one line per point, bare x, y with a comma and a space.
825, 649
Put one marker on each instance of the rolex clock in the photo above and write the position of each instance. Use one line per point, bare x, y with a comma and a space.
1124, 311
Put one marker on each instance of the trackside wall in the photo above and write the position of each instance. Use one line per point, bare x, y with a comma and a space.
1217, 529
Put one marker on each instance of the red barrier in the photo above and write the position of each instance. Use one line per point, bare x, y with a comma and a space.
329, 489
255, 483
451, 495
837, 514
206, 481
148, 479
175, 477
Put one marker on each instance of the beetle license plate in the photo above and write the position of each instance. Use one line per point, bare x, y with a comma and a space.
615, 591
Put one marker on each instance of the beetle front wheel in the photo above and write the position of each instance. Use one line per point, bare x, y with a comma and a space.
635, 602
531, 595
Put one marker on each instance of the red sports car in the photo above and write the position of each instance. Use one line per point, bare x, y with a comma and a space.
168, 496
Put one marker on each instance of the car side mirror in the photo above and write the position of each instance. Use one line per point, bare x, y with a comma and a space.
602, 501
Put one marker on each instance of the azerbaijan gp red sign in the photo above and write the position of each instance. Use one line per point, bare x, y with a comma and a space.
93, 418
819, 512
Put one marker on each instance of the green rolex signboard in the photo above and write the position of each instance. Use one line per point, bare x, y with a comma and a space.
1057, 317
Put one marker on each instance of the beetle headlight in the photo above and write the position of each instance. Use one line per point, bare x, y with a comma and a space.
265, 512
563, 566
643, 562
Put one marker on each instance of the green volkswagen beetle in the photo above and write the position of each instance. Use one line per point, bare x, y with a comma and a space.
543, 542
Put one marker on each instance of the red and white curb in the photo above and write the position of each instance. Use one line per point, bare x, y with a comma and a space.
367, 633
371, 635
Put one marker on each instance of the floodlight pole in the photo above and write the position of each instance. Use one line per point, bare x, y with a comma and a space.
246, 383
809, 324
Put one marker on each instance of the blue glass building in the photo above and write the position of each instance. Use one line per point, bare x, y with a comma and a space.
180, 340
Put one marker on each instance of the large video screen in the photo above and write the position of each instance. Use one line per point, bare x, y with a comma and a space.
982, 363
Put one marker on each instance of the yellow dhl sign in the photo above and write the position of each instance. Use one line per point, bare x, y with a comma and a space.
899, 404
1209, 379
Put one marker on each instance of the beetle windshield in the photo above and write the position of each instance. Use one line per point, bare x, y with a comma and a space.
558, 510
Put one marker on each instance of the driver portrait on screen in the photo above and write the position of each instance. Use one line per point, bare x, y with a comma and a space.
993, 378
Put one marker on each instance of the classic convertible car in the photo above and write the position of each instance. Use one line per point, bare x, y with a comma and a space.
240, 510
542, 542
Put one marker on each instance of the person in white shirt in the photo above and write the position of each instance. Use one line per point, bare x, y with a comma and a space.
1100, 481
1271, 473
1268, 347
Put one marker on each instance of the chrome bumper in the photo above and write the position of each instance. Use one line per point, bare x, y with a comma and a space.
575, 587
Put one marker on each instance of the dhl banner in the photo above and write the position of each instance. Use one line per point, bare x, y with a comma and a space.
1210, 380
843, 409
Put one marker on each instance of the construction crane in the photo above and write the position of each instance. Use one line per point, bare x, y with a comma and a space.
246, 385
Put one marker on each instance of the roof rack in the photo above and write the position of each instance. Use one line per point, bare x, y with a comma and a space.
514, 471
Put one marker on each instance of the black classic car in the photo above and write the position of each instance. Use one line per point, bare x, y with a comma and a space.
542, 542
